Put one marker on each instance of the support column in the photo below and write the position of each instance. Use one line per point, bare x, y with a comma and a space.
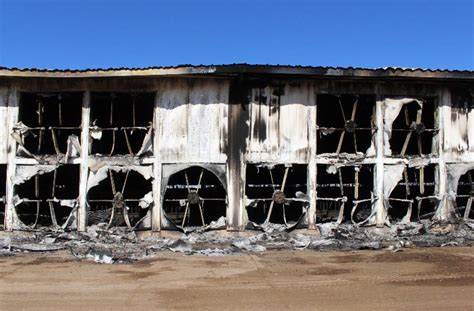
312, 164
82, 211
157, 167
379, 168
444, 100
13, 98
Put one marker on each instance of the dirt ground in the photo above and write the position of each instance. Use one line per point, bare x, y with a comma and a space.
413, 279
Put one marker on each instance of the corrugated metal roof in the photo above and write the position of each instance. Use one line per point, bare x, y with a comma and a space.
231, 69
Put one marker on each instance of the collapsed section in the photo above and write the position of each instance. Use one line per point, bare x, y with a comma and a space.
121, 123
413, 129
46, 196
345, 123
464, 195
119, 197
276, 193
49, 124
194, 197
414, 196
344, 192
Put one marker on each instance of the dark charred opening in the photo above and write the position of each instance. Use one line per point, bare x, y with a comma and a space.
120, 122
274, 197
345, 123
414, 129
353, 184
3, 191
465, 195
118, 200
415, 188
194, 197
41, 197
51, 118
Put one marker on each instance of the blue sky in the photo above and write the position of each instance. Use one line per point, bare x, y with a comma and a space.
139, 33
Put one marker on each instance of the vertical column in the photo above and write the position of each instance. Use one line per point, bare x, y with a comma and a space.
13, 104
312, 168
157, 166
444, 100
379, 172
82, 211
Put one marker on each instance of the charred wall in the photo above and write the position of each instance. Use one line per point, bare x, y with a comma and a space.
172, 153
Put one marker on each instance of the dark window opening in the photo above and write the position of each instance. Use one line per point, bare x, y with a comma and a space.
121, 123
194, 197
345, 123
118, 200
49, 120
413, 129
414, 197
48, 199
342, 189
464, 195
3, 191
277, 194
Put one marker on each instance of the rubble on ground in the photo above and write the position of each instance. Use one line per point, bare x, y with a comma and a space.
121, 245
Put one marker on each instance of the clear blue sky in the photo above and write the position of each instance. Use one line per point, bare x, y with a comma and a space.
140, 33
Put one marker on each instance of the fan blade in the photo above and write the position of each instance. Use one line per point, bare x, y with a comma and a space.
354, 109
271, 177
200, 179
125, 182
202, 213
185, 214
405, 144
112, 182
341, 139
342, 109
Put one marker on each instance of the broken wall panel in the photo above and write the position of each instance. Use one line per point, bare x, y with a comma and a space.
48, 124
276, 193
192, 120
346, 123
194, 197
46, 196
344, 192
279, 122
414, 196
121, 123
410, 126
458, 120
120, 197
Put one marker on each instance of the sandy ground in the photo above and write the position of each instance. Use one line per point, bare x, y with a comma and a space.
414, 279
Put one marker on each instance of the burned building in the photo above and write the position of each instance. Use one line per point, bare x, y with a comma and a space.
240, 146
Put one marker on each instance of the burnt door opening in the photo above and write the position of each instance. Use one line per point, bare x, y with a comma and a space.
121, 123
194, 197
48, 199
345, 123
464, 195
276, 193
344, 192
3, 191
49, 123
119, 200
414, 197
414, 129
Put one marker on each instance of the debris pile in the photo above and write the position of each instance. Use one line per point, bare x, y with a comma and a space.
121, 245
